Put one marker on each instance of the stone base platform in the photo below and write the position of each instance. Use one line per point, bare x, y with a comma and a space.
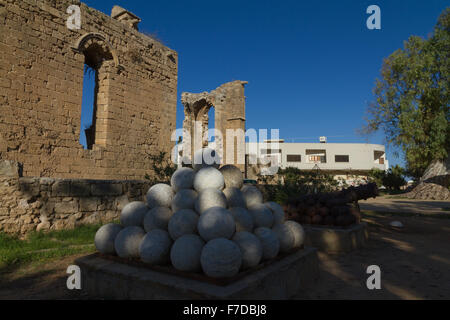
112, 278
337, 239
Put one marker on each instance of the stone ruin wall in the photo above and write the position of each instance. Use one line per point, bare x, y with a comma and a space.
228, 101
29, 204
41, 81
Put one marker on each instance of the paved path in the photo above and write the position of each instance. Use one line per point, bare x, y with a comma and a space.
405, 205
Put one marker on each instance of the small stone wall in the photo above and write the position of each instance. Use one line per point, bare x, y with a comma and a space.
28, 204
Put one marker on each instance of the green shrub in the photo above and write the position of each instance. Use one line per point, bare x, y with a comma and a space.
294, 182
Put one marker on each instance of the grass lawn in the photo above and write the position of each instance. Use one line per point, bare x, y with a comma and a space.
41, 247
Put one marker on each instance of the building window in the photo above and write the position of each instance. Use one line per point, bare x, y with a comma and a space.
341, 158
294, 158
270, 151
316, 156
378, 157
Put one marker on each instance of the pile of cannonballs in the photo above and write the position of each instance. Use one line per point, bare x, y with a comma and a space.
206, 220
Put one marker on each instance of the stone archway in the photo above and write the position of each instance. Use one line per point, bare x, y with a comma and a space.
228, 100
100, 57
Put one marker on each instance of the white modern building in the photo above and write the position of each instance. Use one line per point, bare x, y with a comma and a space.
342, 159
348, 161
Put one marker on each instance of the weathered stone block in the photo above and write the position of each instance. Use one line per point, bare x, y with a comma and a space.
280, 279
9, 168
66, 207
61, 188
106, 189
80, 189
89, 204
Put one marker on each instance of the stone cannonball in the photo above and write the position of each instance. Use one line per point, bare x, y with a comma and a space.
243, 219
155, 247
251, 248
184, 199
285, 236
128, 241
209, 198
185, 253
252, 195
221, 258
277, 211
269, 242
298, 232
216, 222
233, 176
183, 178
235, 197
133, 214
206, 157
183, 222
160, 195
105, 236
208, 177
157, 218
262, 216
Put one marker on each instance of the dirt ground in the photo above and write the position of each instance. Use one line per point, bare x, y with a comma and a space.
389, 204
414, 262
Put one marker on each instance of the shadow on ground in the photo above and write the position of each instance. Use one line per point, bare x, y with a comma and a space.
414, 264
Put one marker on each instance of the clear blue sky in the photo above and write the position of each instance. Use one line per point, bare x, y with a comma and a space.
311, 65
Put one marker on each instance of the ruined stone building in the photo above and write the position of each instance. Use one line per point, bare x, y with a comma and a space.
48, 180
228, 101
42, 64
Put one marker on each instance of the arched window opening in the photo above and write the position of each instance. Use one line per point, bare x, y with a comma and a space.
88, 107
95, 53
211, 125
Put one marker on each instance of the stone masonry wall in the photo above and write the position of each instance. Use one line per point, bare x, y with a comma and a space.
41, 82
28, 204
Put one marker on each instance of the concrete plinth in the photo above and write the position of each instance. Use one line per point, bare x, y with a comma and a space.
337, 239
111, 278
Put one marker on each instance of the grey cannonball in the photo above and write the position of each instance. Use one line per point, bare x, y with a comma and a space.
157, 218
298, 231
251, 248
277, 211
216, 222
185, 253
105, 236
233, 176
160, 195
209, 198
269, 242
133, 214
243, 219
128, 241
184, 199
206, 157
262, 216
155, 247
252, 195
183, 178
285, 236
183, 222
208, 177
221, 258
235, 197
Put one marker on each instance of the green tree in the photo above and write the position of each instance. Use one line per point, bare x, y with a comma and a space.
376, 175
393, 179
412, 98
